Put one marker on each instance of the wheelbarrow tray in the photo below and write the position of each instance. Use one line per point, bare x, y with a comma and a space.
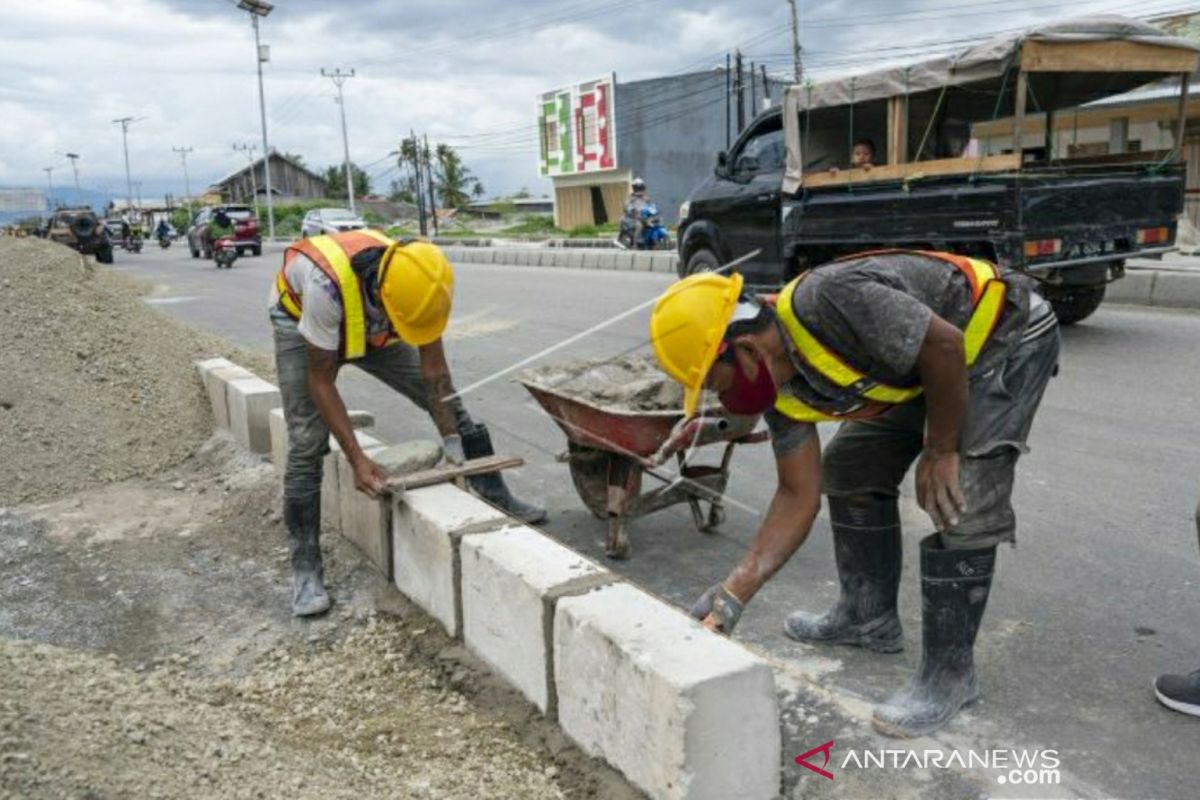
627, 432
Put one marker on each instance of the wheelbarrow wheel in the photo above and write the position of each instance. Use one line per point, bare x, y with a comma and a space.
589, 473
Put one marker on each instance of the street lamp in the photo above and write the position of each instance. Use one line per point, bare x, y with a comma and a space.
49, 187
260, 8
74, 167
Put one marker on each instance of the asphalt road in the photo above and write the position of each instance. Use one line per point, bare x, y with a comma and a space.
1102, 593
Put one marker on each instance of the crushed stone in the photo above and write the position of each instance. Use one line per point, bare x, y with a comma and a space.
97, 387
627, 383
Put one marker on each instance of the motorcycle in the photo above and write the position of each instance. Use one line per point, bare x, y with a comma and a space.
225, 252
132, 245
645, 233
164, 240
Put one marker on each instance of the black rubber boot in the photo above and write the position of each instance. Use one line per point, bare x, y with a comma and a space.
954, 593
303, 520
477, 443
866, 545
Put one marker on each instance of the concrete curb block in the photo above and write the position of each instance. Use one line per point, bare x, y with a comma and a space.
511, 581
1175, 290
682, 712
427, 525
250, 402
216, 377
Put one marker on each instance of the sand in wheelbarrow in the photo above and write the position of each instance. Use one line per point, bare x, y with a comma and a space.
627, 383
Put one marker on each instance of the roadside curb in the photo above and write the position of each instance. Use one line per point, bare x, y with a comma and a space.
1144, 286
682, 712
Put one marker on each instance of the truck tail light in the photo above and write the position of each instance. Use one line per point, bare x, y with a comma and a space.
1153, 235
1043, 247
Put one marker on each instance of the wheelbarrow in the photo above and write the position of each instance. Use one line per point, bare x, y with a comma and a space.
609, 450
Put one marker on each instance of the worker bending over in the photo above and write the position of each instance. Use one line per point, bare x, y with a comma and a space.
926, 357
361, 298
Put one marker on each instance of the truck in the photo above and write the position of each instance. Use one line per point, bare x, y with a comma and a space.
978, 159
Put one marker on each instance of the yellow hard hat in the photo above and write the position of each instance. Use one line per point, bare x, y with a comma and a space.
416, 285
687, 326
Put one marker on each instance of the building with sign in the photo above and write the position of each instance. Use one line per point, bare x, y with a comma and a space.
595, 137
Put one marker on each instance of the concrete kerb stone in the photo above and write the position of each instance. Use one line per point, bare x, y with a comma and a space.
511, 581
427, 526
607, 260
1176, 290
216, 381
331, 506
1135, 287
684, 713
250, 402
364, 521
591, 259
574, 259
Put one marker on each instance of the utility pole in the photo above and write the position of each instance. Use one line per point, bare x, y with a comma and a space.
796, 42
429, 177
338, 77
741, 93
418, 182
249, 149
74, 167
49, 188
754, 91
125, 122
727, 116
187, 183
260, 8
766, 87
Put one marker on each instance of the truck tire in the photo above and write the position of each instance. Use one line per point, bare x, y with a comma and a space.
83, 227
1073, 304
703, 260
104, 255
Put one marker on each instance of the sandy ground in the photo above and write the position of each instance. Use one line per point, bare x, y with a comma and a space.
146, 642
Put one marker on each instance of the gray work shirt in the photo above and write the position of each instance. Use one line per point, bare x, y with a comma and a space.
873, 312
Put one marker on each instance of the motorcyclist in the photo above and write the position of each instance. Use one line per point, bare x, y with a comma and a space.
220, 225
163, 230
633, 209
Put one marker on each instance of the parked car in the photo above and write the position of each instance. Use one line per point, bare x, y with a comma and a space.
1069, 220
80, 229
320, 221
246, 232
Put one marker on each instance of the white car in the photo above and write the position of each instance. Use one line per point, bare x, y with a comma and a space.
321, 221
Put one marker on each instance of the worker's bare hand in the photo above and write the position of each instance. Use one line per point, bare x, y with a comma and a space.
938, 489
369, 477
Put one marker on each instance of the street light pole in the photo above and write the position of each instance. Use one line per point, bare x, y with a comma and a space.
125, 122
49, 188
796, 41
338, 77
187, 183
260, 8
74, 167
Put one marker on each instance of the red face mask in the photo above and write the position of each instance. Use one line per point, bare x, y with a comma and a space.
749, 397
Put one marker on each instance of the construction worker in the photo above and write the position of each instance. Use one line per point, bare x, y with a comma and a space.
926, 357
360, 298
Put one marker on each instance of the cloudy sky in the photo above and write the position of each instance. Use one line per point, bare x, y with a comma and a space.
465, 71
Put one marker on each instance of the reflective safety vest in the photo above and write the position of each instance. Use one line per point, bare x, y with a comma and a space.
332, 255
987, 298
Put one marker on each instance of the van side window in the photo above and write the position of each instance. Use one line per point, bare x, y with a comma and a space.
763, 153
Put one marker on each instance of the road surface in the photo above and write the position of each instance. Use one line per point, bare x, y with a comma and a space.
1101, 594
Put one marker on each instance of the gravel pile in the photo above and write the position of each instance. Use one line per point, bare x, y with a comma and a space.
96, 386
354, 718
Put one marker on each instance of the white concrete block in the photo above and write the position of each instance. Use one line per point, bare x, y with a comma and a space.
608, 260
682, 712
1176, 290
591, 259
207, 365
277, 424
331, 506
575, 259
511, 581
216, 381
1135, 288
427, 525
250, 401
364, 520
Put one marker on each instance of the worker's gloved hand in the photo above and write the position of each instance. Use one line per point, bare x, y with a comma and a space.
452, 446
718, 609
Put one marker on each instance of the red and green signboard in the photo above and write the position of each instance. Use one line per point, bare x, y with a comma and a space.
577, 130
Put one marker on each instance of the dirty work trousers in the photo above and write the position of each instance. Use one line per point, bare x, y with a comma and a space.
872, 456
397, 365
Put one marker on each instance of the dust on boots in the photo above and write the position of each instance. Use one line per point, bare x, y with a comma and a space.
867, 549
302, 516
954, 591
